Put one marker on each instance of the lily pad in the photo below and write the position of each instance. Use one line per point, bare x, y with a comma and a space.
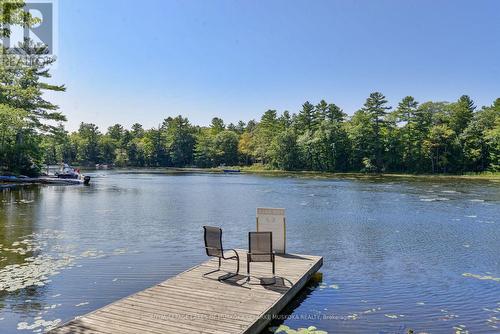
287, 330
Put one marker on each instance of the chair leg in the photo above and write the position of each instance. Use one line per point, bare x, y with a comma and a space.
248, 267
274, 273
214, 271
237, 257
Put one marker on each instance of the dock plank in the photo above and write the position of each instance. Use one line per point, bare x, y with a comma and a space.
193, 303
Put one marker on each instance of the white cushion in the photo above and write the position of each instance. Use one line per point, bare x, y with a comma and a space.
273, 220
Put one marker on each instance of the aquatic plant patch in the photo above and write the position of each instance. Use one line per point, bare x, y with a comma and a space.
482, 277
47, 259
287, 330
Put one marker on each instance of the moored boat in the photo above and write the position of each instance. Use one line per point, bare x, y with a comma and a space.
66, 175
66, 172
231, 170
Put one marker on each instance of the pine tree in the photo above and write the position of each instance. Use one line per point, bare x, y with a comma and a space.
376, 108
406, 113
461, 114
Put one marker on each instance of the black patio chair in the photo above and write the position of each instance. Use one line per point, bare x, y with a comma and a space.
260, 249
213, 247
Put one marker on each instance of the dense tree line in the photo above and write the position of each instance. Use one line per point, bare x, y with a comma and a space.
25, 116
432, 137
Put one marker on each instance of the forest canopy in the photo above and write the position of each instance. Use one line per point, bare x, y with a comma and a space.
412, 137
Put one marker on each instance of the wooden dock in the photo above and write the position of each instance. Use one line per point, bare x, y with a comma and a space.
193, 303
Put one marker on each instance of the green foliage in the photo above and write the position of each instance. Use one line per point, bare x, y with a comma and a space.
461, 114
179, 140
88, 144
246, 147
263, 135
107, 150
376, 109
12, 129
154, 148
438, 147
226, 147
361, 135
307, 118
12, 14
285, 151
406, 114
56, 147
493, 139
217, 126
415, 138
25, 116
204, 151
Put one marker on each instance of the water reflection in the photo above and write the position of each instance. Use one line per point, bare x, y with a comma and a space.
398, 253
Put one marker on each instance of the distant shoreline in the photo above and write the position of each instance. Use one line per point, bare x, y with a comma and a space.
307, 174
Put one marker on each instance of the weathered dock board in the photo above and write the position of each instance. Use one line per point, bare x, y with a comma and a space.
193, 303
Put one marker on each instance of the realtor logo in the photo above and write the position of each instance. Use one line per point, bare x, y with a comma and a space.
36, 40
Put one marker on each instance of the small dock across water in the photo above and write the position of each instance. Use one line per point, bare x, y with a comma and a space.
192, 303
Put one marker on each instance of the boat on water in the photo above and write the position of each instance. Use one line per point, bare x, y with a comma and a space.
67, 172
231, 170
224, 169
66, 175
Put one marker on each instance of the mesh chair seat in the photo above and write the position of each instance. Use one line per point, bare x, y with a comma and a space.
260, 257
213, 241
260, 249
213, 248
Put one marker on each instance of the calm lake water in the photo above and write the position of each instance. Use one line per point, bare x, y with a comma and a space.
398, 253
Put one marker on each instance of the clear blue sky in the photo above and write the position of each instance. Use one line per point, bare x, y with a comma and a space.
141, 61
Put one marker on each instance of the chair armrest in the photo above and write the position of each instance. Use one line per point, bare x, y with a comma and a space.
235, 252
